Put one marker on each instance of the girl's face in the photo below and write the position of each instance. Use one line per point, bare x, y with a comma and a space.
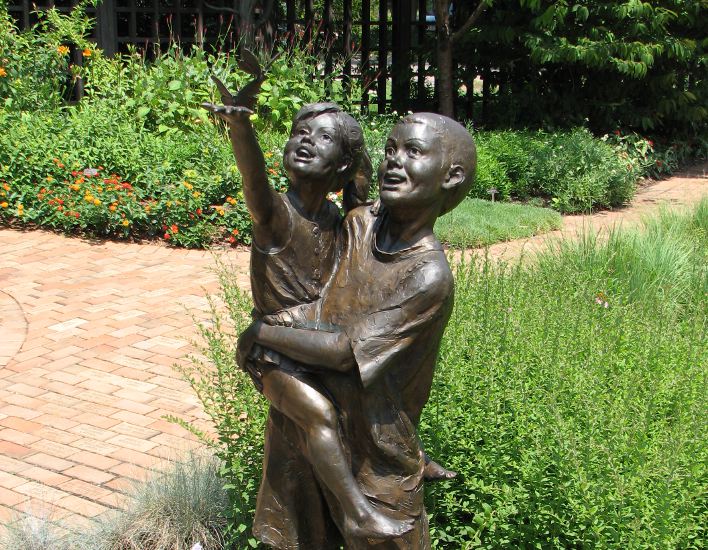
314, 151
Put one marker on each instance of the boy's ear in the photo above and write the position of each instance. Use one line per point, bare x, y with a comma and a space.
455, 176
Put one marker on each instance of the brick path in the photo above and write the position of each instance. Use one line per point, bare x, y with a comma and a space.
88, 334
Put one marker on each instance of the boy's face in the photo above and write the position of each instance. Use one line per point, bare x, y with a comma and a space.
314, 148
414, 166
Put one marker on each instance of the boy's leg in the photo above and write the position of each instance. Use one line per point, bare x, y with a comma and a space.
316, 416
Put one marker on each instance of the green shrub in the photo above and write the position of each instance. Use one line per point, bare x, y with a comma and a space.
34, 64
573, 170
57, 165
229, 398
570, 394
175, 509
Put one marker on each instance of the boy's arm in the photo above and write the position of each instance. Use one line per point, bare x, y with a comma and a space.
329, 350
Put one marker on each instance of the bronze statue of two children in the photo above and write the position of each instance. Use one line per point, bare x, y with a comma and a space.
349, 314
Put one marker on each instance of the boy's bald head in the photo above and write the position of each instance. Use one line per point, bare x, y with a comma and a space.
459, 148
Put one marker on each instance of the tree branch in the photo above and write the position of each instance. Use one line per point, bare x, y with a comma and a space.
471, 20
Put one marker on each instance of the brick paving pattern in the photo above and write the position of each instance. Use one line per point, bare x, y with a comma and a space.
88, 336
89, 332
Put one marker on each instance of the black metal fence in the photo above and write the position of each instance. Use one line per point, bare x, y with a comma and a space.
384, 46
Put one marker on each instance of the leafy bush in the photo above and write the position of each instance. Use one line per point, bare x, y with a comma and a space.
573, 170
34, 64
92, 169
570, 394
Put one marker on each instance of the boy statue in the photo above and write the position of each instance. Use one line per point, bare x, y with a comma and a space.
371, 341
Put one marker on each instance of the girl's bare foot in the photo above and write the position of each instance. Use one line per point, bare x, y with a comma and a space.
434, 472
375, 525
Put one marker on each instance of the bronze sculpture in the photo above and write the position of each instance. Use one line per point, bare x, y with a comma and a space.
347, 369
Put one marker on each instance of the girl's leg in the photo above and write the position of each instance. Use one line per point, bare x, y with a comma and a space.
316, 416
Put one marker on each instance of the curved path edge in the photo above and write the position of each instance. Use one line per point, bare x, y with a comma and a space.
13, 327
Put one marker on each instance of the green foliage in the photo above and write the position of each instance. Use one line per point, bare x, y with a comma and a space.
626, 64
181, 186
573, 170
34, 64
229, 398
478, 222
570, 394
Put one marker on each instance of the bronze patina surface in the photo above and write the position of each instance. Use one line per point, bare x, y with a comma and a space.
349, 318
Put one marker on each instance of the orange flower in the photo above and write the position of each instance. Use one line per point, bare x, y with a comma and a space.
174, 228
4, 204
86, 52
234, 232
3, 72
112, 208
6, 186
63, 50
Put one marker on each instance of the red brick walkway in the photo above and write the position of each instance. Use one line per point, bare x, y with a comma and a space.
88, 334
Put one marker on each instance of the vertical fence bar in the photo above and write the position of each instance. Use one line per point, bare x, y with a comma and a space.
106, 23
328, 38
422, 24
401, 54
347, 77
365, 49
383, 56
309, 10
290, 15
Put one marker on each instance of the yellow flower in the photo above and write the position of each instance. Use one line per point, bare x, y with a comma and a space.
50, 179
125, 223
88, 198
63, 50
4, 204
188, 185
3, 72
196, 194
147, 208
86, 52
169, 203
96, 202
75, 187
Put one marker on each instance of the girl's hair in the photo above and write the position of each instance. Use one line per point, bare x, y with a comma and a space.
356, 180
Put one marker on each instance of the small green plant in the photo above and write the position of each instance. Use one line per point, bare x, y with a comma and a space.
234, 406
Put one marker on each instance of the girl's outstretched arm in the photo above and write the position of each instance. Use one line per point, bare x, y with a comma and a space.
260, 197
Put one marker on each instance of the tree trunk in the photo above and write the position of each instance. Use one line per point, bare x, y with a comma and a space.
446, 103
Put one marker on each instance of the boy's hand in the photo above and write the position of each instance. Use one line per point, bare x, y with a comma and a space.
233, 114
245, 344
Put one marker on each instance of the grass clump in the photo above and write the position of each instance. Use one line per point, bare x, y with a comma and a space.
570, 396
176, 509
32, 533
477, 222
